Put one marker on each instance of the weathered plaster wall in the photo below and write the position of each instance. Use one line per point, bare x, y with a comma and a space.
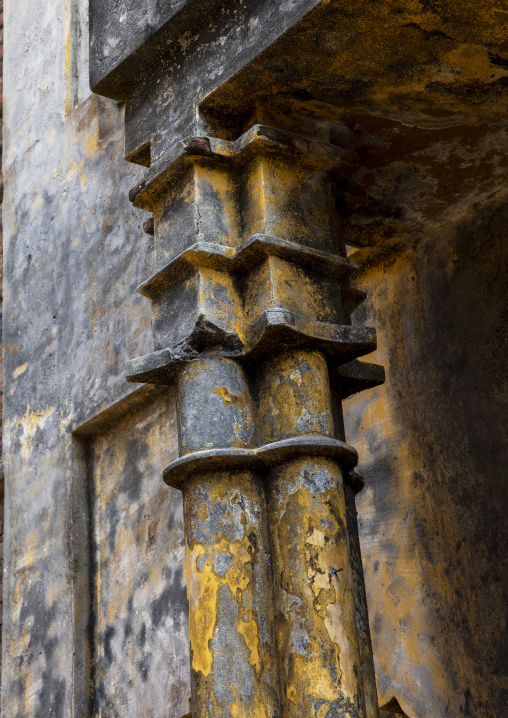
139, 595
432, 443
74, 253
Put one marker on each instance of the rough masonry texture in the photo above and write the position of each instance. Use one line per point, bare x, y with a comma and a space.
308, 171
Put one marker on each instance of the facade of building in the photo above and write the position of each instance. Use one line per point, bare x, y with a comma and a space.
313, 191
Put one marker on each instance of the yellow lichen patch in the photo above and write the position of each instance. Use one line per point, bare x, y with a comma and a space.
249, 630
395, 56
215, 191
291, 692
219, 300
236, 576
341, 627
256, 709
202, 592
238, 580
227, 397
20, 370
90, 144
29, 424
203, 588
319, 564
272, 185
312, 552
234, 707
311, 674
329, 583
210, 569
202, 512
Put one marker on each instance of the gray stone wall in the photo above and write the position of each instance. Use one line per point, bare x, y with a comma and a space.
74, 252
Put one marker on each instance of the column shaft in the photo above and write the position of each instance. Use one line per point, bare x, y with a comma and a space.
229, 578
233, 669
317, 637
315, 612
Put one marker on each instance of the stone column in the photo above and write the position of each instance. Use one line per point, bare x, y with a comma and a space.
229, 577
319, 653
252, 308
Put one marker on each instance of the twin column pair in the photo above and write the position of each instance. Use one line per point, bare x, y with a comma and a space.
252, 321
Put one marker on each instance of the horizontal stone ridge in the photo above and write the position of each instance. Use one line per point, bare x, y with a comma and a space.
277, 329
356, 376
248, 255
315, 153
261, 458
283, 328
205, 340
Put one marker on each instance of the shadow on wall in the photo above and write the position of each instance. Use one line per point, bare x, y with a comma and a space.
432, 445
394, 708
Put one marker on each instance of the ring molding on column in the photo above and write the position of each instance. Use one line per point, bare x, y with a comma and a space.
261, 458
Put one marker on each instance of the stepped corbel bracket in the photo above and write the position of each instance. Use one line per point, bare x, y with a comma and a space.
243, 296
